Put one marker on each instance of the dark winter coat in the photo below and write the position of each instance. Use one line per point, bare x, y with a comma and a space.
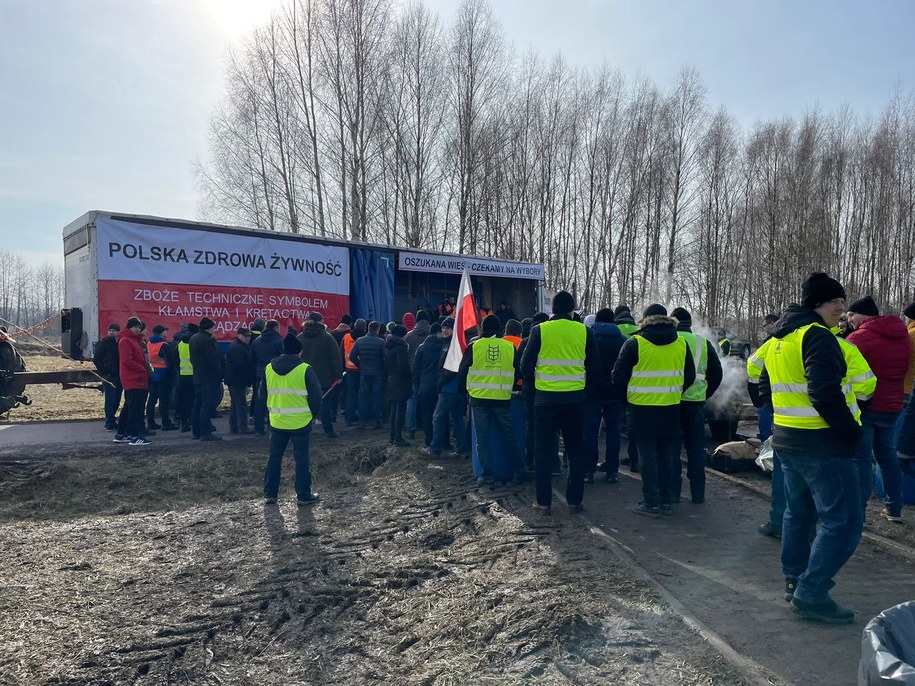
713, 371
368, 355
427, 364
466, 362
529, 365
239, 364
106, 356
397, 364
885, 343
340, 332
321, 351
282, 365
609, 340
643, 420
824, 369
206, 358
417, 337
447, 379
266, 347
505, 315
132, 361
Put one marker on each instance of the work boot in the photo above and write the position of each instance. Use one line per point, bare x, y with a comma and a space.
790, 588
648, 510
771, 530
826, 613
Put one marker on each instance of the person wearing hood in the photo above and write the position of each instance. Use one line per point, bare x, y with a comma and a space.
417, 334
815, 434
320, 351
559, 358
351, 371
652, 371
426, 367
160, 386
292, 393
208, 370
622, 317
134, 376
604, 404
399, 384
343, 328
884, 341
488, 371
367, 354
692, 410
239, 376
264, 348
106, 362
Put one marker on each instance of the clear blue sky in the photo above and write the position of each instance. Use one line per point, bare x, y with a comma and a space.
104, 104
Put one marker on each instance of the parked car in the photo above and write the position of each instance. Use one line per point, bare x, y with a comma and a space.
740, 346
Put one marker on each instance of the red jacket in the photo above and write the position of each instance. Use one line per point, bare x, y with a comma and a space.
885, 344
132, 362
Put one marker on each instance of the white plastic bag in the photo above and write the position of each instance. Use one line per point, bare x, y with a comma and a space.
764, 459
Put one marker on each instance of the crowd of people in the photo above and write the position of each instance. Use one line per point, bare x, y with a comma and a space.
831, 399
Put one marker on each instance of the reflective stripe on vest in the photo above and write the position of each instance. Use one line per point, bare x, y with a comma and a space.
757, 362
657, 378
154, 360
287, 398
790, 392
492, 374
561, 362
862, 380
699, 351
185, 368
348, 342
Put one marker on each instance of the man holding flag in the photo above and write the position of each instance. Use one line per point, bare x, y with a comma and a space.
465, 317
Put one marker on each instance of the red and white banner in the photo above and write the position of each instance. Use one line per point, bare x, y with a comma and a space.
170, 276
465, 317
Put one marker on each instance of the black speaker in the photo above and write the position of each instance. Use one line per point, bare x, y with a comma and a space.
71, 332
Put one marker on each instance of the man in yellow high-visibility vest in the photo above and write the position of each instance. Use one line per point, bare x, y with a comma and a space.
292, 392
816, 430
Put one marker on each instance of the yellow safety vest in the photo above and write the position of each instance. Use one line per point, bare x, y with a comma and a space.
757, 362
492, 374
185, 368
862, 379
657, 378
628, 329
698, 350
561, 362
790, 396
287, 398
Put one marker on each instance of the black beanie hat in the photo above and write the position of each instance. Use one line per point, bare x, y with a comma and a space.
540, 317
820, 288
865, 305
435, 328
604, 315
193, 328
619, 309
909, 311
291, 345
681, 314
563, 302
134, 321
206, 324
258, 325
448, 323
346, 319
653, 310
399, 330
491, 324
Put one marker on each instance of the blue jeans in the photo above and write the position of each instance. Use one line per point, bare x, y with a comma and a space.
612, 415
692, 436
411, 411
278, 442
777, 509
206, 399
450, 408
878, 440
370, 398
824, 489
765, 422
112, 400
490, 418
352, 396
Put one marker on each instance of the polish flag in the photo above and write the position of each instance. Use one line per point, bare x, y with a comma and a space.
465, 317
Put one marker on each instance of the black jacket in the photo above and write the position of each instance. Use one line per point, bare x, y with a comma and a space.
529, 364
609, 339
282, 365
397, 364
647, 420
106, 357
206, 358
368, 355
824, 368
320, 350
427, 365
713, 371
417, 337
239, 364
266, 347
466, 361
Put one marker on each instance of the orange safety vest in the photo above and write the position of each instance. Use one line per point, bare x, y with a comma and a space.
155, 361
348, 343
514, 340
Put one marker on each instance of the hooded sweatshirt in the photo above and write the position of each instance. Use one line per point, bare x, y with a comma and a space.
824, 369
885, 344
284, 364
320, 350
609, 340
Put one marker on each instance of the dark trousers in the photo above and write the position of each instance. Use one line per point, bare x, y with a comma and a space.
692, 437
260, 403
112, 400
206, 399
185, 399
278, 442
425, 412
238, 409
352, 396
160, 392
370, 392
568, 419
396, 417
656, 456
130, 423
530, 435
329, 409
450, 408
495, 418
612, 416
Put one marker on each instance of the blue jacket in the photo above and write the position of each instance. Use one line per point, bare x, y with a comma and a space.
427, 365
265, 347
368, 355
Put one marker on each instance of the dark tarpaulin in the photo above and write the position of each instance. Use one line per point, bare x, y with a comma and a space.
888, 648
372, 284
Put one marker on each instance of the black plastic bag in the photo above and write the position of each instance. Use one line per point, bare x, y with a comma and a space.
888, 648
